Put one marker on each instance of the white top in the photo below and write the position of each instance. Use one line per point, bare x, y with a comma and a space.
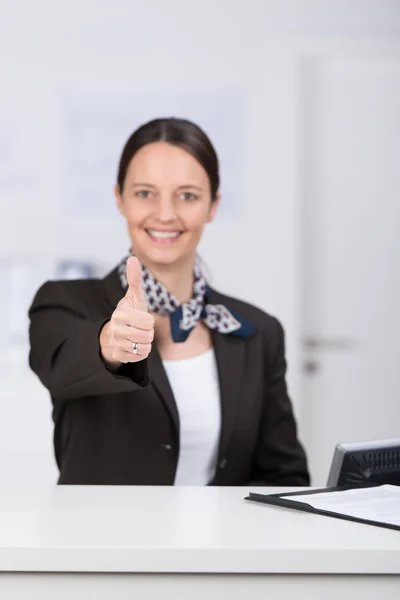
180, 530
194, 383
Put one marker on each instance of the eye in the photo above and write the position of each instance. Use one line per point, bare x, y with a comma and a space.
188, 196
143, 193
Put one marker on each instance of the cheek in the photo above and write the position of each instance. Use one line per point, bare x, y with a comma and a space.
135, 214
197, 217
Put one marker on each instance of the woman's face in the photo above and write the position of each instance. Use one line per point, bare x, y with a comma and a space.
166, 200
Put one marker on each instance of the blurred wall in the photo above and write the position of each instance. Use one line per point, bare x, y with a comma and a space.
136, 48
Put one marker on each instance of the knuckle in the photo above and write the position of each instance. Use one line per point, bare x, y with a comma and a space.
117, 316
149, 322
148, 337
113, 335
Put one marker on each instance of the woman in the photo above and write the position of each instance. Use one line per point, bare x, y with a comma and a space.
155, 377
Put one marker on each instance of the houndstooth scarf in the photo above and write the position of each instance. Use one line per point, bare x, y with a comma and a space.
184, 317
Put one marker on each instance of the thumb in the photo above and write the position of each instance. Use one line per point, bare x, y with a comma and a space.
134, 277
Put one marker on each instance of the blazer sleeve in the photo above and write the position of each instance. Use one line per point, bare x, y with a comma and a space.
279, 458
65, 348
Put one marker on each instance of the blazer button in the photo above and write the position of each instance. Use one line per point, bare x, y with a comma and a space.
223, 463
166, 446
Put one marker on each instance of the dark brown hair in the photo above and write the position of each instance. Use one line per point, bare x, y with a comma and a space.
178, 132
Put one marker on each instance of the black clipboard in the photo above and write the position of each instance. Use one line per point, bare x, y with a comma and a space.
277, 500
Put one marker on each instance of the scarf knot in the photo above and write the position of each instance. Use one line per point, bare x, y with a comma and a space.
184, 317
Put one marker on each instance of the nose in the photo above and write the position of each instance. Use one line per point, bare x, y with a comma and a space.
166, 210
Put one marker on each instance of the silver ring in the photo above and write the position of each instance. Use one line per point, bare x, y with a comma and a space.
135, 348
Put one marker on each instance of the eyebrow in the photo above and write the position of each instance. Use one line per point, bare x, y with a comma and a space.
189, 185
181, 187
142, 185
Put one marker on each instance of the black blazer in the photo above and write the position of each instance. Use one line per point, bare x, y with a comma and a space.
123, 428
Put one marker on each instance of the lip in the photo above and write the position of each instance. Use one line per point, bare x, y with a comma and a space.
163, 240
163, 230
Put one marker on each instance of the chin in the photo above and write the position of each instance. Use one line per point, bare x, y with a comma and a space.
161, 257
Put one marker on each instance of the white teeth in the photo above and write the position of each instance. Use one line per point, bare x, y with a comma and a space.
163, 234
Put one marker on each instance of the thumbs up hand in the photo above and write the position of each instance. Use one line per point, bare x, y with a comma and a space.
134, 294
127, 337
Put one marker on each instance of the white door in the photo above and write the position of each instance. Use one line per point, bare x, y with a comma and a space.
351, 254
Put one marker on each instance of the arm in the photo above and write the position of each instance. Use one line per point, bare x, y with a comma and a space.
65, 348
279, 458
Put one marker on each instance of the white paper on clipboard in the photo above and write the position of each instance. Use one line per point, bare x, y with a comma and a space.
380, 503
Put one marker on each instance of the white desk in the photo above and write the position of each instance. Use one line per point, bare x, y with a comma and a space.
171, 543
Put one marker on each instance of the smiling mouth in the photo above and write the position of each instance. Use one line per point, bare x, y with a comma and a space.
163, 237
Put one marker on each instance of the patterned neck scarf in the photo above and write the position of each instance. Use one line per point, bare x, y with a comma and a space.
184, 317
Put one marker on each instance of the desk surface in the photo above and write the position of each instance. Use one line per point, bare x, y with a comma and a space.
180, 530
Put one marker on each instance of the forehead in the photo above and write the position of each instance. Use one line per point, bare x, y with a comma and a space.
161, 163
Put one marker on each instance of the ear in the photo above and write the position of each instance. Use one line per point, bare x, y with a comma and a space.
120, 202
214, 208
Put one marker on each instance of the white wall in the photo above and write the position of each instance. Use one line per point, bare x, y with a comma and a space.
256, 46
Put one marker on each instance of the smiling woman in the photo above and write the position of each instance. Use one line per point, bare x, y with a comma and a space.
166, 198
155, 377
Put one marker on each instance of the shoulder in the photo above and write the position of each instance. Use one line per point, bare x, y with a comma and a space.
70, 294
70, 288
85, 297
264, 322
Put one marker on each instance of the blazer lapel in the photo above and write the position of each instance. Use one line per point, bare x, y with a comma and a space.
230, 356
160, 382
159, 379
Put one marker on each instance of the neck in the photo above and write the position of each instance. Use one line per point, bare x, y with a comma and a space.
177, 278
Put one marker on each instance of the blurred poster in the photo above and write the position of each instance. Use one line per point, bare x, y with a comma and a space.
74, 269
20, 279
20, 170
95, 124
